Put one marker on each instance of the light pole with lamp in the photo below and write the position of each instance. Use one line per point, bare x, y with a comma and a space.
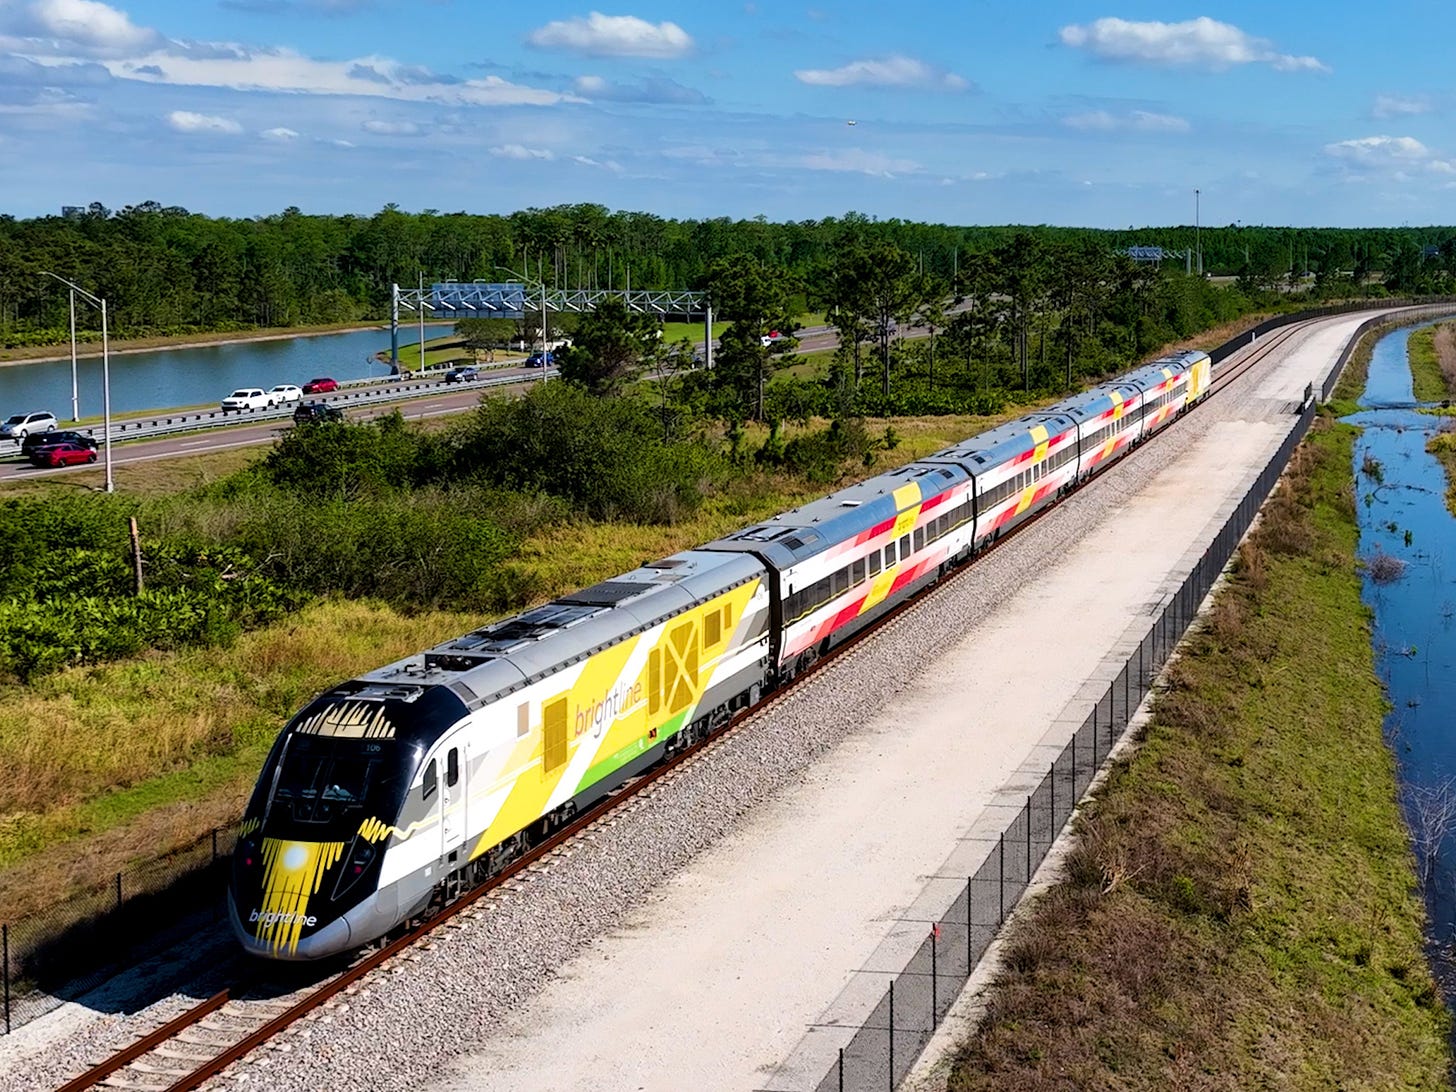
105, 366
1197, 232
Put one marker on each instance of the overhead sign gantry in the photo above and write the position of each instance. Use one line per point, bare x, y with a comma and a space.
513, 299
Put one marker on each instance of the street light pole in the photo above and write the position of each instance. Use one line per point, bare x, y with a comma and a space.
75, 400
1198, 231
97, 301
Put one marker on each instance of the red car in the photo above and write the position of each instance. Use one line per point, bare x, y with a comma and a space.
321, 385
68, 454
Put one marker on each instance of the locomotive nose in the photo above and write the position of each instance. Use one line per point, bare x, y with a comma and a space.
274, 896
329, 940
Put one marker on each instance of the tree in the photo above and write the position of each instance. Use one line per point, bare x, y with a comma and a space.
481, 335
609, 343
754, 297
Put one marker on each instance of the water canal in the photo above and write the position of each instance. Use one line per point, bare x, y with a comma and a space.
164, 378
1400, 500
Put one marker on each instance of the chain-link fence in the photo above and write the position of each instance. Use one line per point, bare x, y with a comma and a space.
81, 941
890, 1041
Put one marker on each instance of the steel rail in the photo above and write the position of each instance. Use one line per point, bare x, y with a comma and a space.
629, 793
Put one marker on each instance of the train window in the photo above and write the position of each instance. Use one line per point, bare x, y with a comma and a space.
431, 781
857, 572
874, 563
822, 592
841, 581
942, 525
890, 556
452, 767
919, 539
712, 628
904, 547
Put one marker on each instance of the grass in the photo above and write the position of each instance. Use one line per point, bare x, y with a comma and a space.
1432, 353
1239, 910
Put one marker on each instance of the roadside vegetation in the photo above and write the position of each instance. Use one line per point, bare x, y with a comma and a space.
1239, 909
1432, 354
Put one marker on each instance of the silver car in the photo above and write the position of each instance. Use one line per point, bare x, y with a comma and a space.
20, 425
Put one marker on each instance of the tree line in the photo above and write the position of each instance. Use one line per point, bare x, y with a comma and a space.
164, 270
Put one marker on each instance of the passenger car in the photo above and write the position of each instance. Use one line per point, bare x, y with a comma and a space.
322, 385
66, 454
248, 398
540, 360
20, 425
41, 439
313, 413
461, 375
285, 392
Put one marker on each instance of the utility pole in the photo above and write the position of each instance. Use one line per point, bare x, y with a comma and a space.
75, 401
1198, 231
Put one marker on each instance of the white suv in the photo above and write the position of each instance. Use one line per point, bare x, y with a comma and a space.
248, 398
21, 425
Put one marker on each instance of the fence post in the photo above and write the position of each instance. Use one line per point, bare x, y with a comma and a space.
892, 1035
841, 1069
1028, 841
5, 959
1096, 761
1001, 903
1074, 769
1052, 818
934, 978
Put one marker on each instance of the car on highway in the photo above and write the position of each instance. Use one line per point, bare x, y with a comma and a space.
41, 439
20, 425
64, 454
462, 375
769, 338
285, 392
248, 398
316, 413
322, 385
540, 360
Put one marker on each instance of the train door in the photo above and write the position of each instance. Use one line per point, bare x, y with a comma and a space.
452, 799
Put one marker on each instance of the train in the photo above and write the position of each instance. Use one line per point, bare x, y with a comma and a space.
436, 771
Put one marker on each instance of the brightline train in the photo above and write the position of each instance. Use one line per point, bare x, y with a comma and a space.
442, 767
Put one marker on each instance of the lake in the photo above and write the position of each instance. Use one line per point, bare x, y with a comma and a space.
165, 378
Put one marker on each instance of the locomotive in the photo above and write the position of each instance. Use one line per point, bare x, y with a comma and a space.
439, 769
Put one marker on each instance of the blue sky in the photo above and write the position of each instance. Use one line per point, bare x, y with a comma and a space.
1107, 114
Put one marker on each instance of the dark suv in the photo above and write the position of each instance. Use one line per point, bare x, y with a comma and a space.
314, 413
45, 439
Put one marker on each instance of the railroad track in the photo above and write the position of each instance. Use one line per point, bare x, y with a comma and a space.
203, 1041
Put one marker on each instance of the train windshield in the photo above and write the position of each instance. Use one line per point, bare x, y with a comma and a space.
324, 779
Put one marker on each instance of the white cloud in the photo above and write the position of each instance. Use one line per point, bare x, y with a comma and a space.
520, 151
1398, 156
185, 121
86, 26
858, 161
1144, 121
606, 165
241, 69
895, 70
600, 35
1392, 106
390, 128
280, 134
1202, 41
654, 89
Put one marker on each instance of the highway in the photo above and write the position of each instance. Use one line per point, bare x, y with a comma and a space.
436, 402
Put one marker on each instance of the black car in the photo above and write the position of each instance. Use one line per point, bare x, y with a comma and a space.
313, 413
45, 439
461, 375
